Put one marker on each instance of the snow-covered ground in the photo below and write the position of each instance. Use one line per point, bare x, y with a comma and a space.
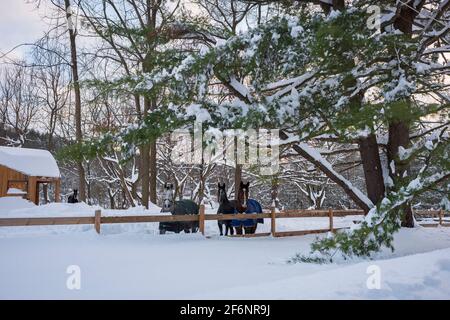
133, 261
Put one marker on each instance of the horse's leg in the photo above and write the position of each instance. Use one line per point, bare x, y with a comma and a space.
220, 224
186, 227
231, 229
250, 230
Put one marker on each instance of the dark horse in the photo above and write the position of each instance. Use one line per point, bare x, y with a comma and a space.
181, 207
246, 205
225, 207
73, 198
242, 205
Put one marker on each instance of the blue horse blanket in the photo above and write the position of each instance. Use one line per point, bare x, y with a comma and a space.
253, 206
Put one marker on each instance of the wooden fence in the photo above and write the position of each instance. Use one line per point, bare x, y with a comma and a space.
97, 220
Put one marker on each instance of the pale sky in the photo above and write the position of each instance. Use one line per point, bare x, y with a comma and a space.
20, 22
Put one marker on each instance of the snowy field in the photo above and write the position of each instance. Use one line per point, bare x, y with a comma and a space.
133, 261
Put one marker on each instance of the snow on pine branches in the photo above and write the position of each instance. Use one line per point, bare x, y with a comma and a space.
311, 74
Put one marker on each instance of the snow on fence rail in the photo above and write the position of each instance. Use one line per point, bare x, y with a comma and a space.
98, 220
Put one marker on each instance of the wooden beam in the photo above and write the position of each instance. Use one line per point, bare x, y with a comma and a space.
317, 213
302, 232
37, 193
429, 225
46, 180
330, 215
434, 225
16, 222
3, 181
272, 221
337, 212
32, 190
17, 180
427, 213
58, 190
238, 216
98, 220
136, 219
152, 218
253, 235
201, 219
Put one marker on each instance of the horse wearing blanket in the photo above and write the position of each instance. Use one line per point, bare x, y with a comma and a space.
246, 205
181, 207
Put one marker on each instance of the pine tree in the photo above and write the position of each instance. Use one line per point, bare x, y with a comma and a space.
315, 74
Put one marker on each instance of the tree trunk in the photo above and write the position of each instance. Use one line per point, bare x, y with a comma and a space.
202, 182
148, 165
368, 147
76, 87
408, 217
153, 170
148, 156
145, 173
88, 185
373, 174
237, 179
274, 192
398, 128
134, 189
112, 202
399, 137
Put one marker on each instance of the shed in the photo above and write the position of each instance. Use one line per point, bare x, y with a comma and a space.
23, 170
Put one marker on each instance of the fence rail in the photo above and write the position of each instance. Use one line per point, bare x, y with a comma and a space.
97, 220
54, 221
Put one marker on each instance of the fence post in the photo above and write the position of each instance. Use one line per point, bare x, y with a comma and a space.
58, 190
441, 213
272, 220
97, 220
330, 216
201, 219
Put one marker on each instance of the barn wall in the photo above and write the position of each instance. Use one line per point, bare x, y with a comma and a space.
8, 174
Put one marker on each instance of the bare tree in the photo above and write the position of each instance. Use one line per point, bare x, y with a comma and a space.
19, 105
76, 87
53, 85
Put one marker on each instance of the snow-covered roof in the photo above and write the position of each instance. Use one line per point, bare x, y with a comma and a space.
31, 162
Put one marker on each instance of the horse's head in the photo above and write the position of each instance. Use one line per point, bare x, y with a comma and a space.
168, 200
221, 193
75, 192
243, 195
